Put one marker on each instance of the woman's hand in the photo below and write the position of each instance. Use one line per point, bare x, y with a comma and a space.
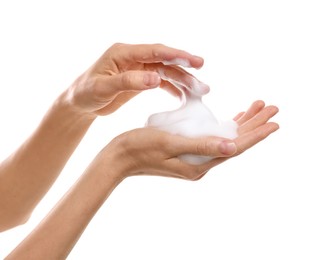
125, 70
140, 151
254, 126
154, 152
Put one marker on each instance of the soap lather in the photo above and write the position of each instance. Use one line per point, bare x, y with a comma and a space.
192, 119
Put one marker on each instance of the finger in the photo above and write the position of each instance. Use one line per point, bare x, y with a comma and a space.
206, 146
237, 117
183, 80
259, 119
243, 143
170, 88
153, 53
252, 111
246, 141
179, 78
130, 80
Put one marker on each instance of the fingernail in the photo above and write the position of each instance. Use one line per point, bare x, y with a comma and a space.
227, 147
199, 88
178, 61
200, 61
152, 79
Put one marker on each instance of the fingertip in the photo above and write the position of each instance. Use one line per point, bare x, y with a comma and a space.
271, 111
199, 87
274, 126
259, 103
276, 109
238, 116
197, 62
228, 147
151, 79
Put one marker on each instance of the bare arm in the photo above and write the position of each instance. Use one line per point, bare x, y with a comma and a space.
122, 158
29, 172
119, 74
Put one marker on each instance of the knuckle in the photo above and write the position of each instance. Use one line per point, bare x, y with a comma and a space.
126, 80
259, 135
200, 148
116, 46
156, 53
204, 148
240, 149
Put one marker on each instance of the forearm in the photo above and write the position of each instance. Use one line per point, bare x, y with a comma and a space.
137, 152
28, 173
55, 237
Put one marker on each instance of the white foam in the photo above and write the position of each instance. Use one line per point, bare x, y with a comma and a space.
177, 61
192, 119
195, 87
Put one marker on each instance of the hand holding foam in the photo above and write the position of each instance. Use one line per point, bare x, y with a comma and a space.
192, 119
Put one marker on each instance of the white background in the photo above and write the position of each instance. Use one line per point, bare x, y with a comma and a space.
273, 202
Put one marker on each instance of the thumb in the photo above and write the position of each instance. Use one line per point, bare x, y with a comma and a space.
135, 80
209, 146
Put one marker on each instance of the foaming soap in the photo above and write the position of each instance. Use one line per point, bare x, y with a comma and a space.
192, 119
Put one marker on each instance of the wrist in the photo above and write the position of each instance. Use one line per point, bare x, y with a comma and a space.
66, 103
114, 164
107, 172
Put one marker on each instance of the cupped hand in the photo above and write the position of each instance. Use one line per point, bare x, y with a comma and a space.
150, 151
125, 70
253, 127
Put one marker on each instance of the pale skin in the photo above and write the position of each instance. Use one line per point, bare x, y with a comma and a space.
119, 74
145, 151
122, 72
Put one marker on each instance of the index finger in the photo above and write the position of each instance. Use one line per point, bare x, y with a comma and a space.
154, 53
